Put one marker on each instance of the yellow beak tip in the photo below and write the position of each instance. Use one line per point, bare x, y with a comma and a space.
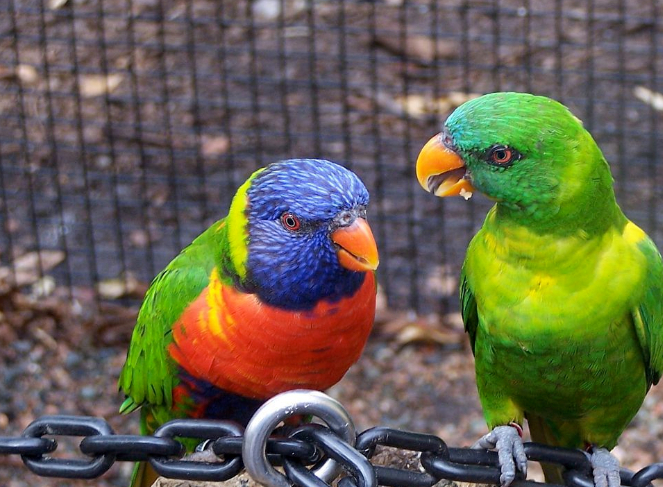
435, 159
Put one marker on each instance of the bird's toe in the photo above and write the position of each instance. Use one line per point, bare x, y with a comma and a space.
507, 442
605, 468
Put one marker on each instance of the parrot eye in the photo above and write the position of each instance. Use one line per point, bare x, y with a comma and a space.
290, 222
501, 155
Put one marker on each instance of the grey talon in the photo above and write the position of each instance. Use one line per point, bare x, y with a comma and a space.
509, 446
605, 468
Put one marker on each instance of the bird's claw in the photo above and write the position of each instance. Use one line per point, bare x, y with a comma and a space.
507, 442
605, 468
204, 445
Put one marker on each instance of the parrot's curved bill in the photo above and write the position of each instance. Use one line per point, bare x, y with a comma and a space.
441, 171
357, 249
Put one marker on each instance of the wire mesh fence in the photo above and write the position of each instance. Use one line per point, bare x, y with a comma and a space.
127, 125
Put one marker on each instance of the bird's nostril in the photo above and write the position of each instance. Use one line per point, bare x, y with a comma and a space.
346, 218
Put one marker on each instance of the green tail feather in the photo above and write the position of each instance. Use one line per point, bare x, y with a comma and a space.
143, 475
541, 433
128, 406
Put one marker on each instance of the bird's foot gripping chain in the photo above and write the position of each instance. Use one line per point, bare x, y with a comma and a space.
508, 442
605, 467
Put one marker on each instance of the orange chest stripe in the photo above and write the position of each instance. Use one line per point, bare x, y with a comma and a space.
239, 344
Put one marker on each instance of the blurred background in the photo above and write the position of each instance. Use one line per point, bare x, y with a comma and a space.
127, 125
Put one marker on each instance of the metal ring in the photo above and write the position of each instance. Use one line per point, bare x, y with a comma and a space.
281, 407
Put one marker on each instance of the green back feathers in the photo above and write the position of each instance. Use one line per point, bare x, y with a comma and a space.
148, 374
648, 312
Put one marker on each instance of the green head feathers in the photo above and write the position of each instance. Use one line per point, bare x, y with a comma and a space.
528, 153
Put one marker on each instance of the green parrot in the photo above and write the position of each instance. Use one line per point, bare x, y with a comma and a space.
561, 295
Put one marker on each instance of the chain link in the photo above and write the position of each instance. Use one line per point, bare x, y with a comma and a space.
86, 468
202, 430
142, 447
419, 442
26, 446
345, 454
302, 448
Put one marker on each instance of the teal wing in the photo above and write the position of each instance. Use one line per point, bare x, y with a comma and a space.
468, 308
648, 315
149, 375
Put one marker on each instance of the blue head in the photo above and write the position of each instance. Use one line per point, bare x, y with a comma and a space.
308, 239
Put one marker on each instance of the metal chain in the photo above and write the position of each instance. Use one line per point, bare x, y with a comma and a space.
301, 452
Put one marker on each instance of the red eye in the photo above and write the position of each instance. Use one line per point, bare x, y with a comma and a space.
501, 155
290, 222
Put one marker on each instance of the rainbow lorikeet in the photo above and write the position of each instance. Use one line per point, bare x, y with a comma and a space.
278, 295
561, 295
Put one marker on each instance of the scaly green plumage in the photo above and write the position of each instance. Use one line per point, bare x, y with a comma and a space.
554, 327
561, 295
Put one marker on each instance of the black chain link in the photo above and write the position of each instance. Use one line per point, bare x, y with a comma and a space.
277, 449
100, 448
354, 462
404, 440
87, 468
142, 447
202, 430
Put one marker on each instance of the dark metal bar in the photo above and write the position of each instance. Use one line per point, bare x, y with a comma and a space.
174, 196
413, 296
346, 128
283, 81
313, 78
224, 68
25, 154
254, 86
196, 119
52, 145
137, 125
378, 206
109, 130
83, 154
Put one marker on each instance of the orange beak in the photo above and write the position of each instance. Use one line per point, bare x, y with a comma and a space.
441, 171
357, 248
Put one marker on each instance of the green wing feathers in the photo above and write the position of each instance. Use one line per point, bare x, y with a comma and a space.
648, 315
468, 308
148, 375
